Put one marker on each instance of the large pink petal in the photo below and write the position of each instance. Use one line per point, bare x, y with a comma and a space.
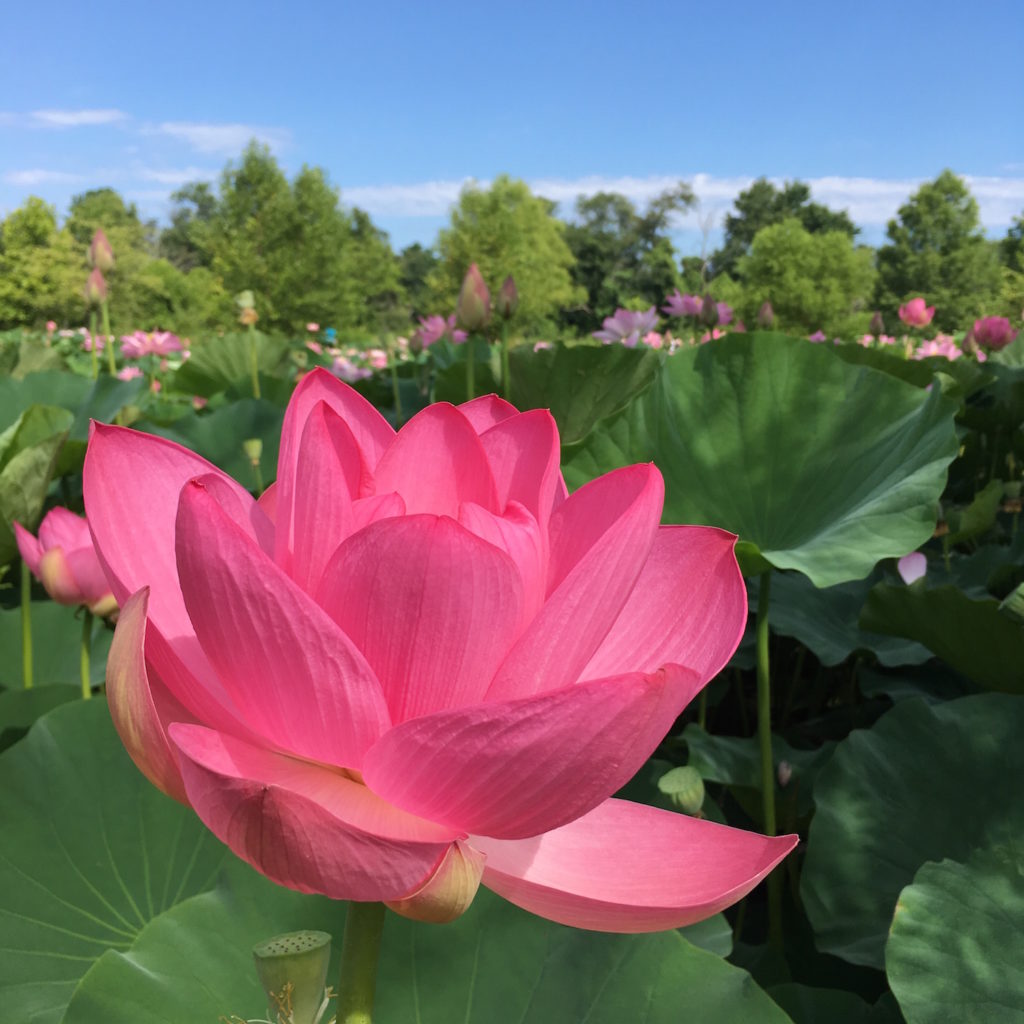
29, 548
600, 539
133, 706
437, 462
303, 825
131, 483
524, 453
371, 431
487, 410
689, 606
328, 476
431, 606
296, 678
625, 867
89, 574
522, 767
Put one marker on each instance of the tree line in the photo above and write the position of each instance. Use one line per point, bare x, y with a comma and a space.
306, 256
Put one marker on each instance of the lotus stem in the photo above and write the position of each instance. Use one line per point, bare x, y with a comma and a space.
506, 375
111, 361
93, 343
26, 626
702, 709
470, 379
395, 390
254, 366
360, 949
764, 735
84, 657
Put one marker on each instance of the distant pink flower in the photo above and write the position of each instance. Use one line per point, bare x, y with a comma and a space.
315, 346
912, 567
866, 340
198, 402
653, 339
141, 343
433, 328
627, 326
64, 560
377, 358
51, 326
739, 327
88, 341
886, 339
817, 336
994, 332
129, 373
943, 346
458, 336
348, 371
312, 328
677, 304
713, 335
402, 344
417, 665
542, 346
724, 312
916, 314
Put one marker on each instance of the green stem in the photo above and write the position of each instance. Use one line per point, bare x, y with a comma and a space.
764, 735
26, 626
254, 366
360, 948
506, 376
111, 361
395, 390
93, 343
470, 379
84, 659
702, 709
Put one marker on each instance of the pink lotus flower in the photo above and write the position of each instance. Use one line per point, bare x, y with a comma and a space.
943, 346
416, 664
817, 336
129, 373
315, 346
994, 332
433, 328
377, 358
64, 560
312, 328
88, 341
677, 304
912, 567
652, 339
627, 326
542, 346
916, 314
348, 371
51, 326
141, 343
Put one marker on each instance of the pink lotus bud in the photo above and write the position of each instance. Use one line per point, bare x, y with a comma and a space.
912, 567
51, 326
101, 255
766, 316
95, 287
508, 298
784, 773
473, 308
915, 314
877, 325
993, 332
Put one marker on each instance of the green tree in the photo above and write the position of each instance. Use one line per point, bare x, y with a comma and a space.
505, 229
762, 205
104, 208
814, 281
416, 263
622, 256
183, 242
938, 249
1011, 248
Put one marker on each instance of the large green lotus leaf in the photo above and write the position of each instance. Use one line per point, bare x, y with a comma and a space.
56, 646
971, 635
495, 964
925, 782
580, 384
29, 449
969, 374
20, 708
820, 466
219, 436
826, 621
806, 1005
956, 945
90, 852
219, 364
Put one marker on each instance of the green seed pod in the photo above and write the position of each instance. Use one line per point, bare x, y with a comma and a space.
293, 971
684, 787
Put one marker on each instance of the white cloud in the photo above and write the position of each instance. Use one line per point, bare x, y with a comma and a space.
228, 139
77, 118
39, 176
870, 202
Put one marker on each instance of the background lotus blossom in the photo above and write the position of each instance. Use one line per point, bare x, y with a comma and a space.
912, 567
416, 664
994, 332
627, 326
916, 314
64, 560
677, 304
145, 343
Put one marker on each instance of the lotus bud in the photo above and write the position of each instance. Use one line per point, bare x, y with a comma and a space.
101, 255
912, 567
709, 311
684, 787
248, 316
473, 308
784, 773
253, 448
508, 298
449, 891
766, 316
95, 287
293, 971
877, 325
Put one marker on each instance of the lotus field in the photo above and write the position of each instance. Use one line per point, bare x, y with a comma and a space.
669, 674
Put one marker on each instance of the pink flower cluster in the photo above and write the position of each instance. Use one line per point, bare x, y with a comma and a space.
146, 343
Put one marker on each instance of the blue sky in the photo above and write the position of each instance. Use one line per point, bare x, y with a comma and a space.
401, 103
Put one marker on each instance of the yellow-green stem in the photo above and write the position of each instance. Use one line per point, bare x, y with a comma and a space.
254, 366
470, 380
764, 735
395, 390
506, 376
26, 626
360, 949
109, 344
93, 342
84, 657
